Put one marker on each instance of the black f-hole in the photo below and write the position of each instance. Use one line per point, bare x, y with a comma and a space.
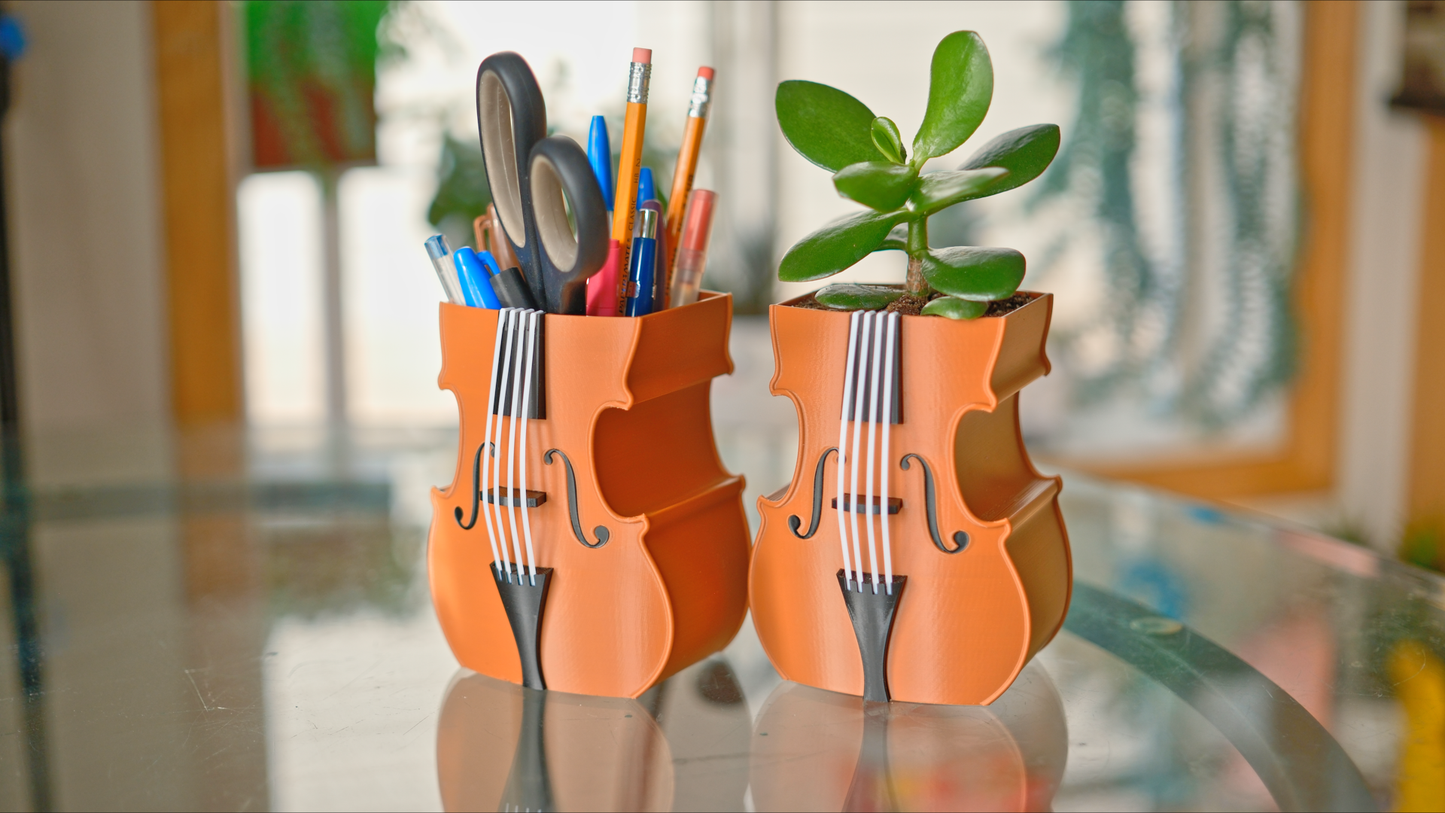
476, 487
602, 533
960, 538
793, 521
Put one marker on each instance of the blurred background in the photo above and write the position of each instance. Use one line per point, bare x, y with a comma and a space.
216, 214
215, 301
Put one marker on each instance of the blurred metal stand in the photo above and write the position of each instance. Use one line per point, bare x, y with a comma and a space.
15, 521
333, 306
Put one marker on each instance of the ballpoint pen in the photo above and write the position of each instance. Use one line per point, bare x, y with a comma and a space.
476, 282
643, 264
602, 286
682, 176
599, 155
440, 254
512, 289
639, 73
646, 188
692, 248
509, 286
659, 271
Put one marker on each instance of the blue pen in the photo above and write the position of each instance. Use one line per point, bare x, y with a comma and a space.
476, 287
599, 155
643, 260
646, 190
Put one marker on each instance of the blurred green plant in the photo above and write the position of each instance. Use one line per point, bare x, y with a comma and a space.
871, 166
462, 193
311, 67
1423, 544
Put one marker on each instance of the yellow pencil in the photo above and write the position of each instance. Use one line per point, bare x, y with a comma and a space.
624, 209
686, 167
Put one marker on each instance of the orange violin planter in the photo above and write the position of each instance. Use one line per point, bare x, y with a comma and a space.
598, 545
942, 512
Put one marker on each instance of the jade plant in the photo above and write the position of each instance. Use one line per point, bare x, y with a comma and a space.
870, 165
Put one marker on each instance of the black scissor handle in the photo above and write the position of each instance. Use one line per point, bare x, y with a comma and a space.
511, 119
561, 178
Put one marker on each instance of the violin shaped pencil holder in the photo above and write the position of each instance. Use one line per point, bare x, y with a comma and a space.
590, 541
917, 555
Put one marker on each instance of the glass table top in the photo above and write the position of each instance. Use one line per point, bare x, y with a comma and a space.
240, 620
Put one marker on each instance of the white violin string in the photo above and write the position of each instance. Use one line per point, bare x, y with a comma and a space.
874, 365
496, 493
534, 324
512, 443
853, 462
889, 391
842, 448
485, 464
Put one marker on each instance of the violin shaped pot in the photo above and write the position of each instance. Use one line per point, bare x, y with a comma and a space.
917, 555
590, 541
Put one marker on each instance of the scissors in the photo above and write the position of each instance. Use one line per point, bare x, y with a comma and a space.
537, 181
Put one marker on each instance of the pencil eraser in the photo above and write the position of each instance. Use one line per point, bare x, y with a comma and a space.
705, 72
643, 55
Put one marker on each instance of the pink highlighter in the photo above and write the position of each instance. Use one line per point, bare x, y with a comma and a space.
692, 252
602, 286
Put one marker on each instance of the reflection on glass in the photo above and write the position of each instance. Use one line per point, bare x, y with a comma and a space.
818, 750
1420, 680
504, 747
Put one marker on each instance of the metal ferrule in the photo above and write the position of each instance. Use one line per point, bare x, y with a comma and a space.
637, 79
646, 224
701, 98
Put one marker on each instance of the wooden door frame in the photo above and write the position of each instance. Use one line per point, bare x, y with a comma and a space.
1427, 449
199, 210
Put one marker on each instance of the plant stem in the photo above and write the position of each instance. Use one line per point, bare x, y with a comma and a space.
916, 285
917, 247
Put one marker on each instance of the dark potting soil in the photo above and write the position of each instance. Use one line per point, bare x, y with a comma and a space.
999, 307
910, 305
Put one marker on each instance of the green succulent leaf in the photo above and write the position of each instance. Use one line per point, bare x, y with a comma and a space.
974, 272
940, 190
852, 297
897, 240
836, 246
878, 185
825, 125
959, 91
1025, 153
954, 308
888, 140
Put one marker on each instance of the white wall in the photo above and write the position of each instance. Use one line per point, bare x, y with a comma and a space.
1388, 190
81, 163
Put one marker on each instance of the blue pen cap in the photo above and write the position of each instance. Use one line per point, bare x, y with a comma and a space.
599, 155
476, 287
436, 247
490, 262
646, 189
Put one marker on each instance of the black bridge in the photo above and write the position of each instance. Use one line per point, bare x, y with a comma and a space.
851, 502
